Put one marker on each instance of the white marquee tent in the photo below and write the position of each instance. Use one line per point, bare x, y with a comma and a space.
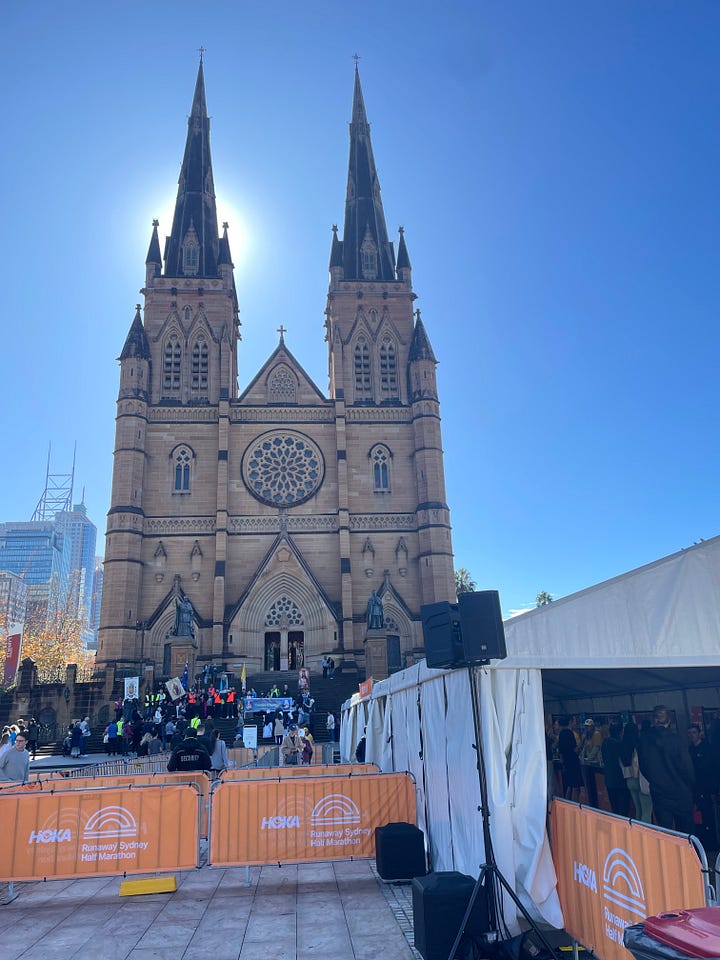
663, 615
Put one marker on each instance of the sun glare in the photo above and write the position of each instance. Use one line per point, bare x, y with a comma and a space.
238, 232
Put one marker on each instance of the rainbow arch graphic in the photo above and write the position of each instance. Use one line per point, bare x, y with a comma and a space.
335, 808
67, 820
622, 884
110, 822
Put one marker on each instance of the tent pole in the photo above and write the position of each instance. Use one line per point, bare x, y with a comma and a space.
490, 882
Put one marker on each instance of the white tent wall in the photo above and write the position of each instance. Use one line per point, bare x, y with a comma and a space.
435, 705
515, 697
352, 723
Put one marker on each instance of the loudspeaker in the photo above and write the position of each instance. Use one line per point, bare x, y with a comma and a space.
399, 851
483, 634
442, 634
439, 904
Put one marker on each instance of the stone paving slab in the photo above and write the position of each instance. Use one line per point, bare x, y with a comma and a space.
329, 911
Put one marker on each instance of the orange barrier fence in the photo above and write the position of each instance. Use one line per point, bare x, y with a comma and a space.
293, 819
316, 770
614, 872
62, 784
99, 831
14, 787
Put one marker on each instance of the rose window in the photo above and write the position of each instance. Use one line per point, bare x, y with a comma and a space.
284, 611
283, 468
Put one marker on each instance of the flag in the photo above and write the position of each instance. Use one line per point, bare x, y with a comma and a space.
12, 654
243, 675
185, 676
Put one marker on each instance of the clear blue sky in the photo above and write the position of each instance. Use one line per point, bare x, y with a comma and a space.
556, 166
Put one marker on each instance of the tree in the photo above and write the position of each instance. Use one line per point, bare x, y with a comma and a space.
464, 583
543, 599
53, 633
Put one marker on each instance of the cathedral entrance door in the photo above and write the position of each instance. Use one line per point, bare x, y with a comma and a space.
272, 651
296, 651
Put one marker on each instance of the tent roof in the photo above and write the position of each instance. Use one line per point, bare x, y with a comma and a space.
578, 684
664, 614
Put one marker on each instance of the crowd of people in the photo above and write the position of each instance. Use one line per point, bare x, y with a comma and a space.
184, 726
651, 772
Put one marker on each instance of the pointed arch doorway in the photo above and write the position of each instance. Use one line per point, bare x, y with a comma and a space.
284, 636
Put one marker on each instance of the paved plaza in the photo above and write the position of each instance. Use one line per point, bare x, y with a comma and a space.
326, 911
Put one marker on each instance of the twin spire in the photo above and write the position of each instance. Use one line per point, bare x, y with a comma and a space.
365, 252
194, 248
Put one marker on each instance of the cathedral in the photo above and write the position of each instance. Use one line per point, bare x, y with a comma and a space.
276, 524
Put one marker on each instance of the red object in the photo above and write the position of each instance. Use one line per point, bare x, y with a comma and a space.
694, 932
12, 655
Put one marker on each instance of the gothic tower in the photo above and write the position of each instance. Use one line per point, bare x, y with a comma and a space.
252, 527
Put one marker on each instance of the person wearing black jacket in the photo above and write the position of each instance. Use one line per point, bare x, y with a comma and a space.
706, 784
617, 790
666, 764
190, 755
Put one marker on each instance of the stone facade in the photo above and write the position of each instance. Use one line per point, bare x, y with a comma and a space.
278, 509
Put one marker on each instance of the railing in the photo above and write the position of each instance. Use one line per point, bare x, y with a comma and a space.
120, 767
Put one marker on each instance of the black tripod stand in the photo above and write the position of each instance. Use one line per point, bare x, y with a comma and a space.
491, 882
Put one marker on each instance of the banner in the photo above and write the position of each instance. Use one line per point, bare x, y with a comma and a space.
614, 872
12, 651
175, 688
299, 819
86, 833
132, 688
268, 704
197, 778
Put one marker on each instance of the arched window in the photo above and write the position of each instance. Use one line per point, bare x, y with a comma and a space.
368, 257
284, 613
388, 370
282, 385
172, 358
363, 378
199, 380
191, 252
380, 458
182, 464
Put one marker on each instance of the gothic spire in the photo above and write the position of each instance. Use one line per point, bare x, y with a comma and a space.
420, 348
154, 258
224, 257
336, 254
403, 257
136, 342
191, 250
367, 252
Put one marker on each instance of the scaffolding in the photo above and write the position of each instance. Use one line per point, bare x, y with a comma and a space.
58, 492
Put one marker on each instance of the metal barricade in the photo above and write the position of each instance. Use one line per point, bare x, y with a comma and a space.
271, 758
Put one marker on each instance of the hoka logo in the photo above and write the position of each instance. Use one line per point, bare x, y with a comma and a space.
584, 875
279, 823
50, 836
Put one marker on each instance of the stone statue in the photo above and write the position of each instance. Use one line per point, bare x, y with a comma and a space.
184, 625
375, 615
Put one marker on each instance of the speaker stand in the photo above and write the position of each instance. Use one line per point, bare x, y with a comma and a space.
491, 882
